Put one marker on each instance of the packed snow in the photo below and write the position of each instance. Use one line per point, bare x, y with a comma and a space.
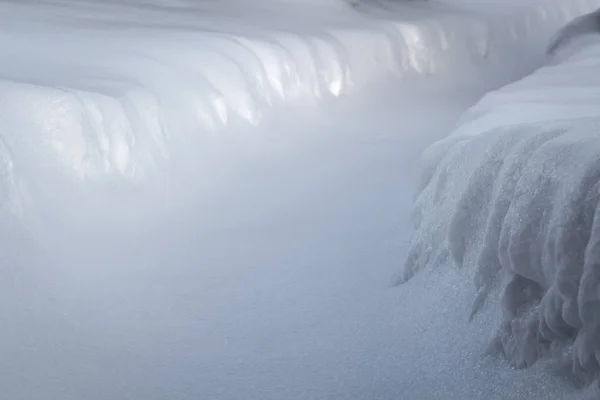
209, 200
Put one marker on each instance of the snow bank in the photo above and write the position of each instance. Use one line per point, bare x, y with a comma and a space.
513, 195
262, 285
116, 88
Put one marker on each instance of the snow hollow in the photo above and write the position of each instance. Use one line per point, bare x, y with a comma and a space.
210, 200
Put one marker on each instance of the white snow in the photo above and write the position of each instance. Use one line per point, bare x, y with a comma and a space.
207, 200
131, 82
512, 196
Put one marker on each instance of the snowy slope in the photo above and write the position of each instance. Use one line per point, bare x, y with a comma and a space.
131, 95
512, 195
202, 200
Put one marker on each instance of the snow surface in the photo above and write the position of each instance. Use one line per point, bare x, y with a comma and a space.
204, 200
512, 196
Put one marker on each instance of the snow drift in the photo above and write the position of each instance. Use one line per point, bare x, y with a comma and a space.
118, 96
104, 92
156, 274
513, 195
581, 26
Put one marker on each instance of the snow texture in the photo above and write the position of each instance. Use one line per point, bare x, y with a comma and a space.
203, 199
514, 197
580, 26
103, 95
118, 98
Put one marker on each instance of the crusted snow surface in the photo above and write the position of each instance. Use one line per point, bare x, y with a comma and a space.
512, 197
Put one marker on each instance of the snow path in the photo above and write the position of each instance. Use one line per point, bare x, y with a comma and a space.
259, 266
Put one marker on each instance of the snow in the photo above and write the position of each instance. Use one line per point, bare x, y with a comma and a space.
511, 195
112, 62
208, 200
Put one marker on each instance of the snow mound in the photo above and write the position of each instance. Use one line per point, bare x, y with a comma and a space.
581, 26
513, 197
117, 88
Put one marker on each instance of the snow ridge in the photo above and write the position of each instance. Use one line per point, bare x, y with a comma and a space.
583, 25
514, 199
118, 96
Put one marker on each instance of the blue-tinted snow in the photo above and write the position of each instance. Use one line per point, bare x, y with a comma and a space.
511, 196
208, 200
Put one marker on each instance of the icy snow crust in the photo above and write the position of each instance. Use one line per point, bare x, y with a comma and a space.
514, 197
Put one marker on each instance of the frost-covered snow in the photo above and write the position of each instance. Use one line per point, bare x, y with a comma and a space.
512, 197
205, 200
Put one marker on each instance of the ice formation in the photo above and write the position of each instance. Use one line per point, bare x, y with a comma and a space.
513, 195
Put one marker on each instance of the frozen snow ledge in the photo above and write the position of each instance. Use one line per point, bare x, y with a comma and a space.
513, 197
114, 89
